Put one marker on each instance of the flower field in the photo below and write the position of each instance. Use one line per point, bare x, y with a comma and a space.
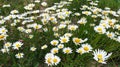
59, 33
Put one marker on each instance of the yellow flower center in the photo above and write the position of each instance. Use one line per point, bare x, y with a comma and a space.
3, 30
36, 27
2, 36
86, 48
100, 61
7, 44
51, 18
99, 56
64, 40
55, 51
67, 12
86, 13
17, 45
55, 60
72, 28
67, 51
80, 51
77, 40
99, 29
54, 43
109, 35
49, 60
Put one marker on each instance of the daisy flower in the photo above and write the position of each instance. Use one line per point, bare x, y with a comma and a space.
7, 45
54, 50
56, 60
52, 59
44, 4
48, 59
3, 30
19, 55
100, 29
68, 34
44, 47
67, 50
87, 48
54, 42
77, 41
110, 34
17, 45
64, 39
72, 27
80, 51
60, 46
4, 50
3, 36
101, 56
33, 49
82, 21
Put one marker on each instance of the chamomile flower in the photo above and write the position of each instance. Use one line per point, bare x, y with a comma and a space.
37, 26
31, 36
56, 60
44, 21
100, 29
33, 49
19, 55
3, 30
64, 39
56, 34
60, 46
7, 45
82, 21
77, 41
101, 56
4, 50
87, 48
77, 14
110, 34
111, 22
67, 50
61, 15
21, 29
55, 29
80, 51
7, 5
28, 31
54, 42
54, 50
3, 36
51, 59
44, 46
14, 11
62, 26
117, 26
48, 59
72, 27
86, 13
37, 1
44, 4
68, 34
104, 24
17, 45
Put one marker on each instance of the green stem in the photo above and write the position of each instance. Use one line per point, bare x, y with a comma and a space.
96, 64
113, 63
